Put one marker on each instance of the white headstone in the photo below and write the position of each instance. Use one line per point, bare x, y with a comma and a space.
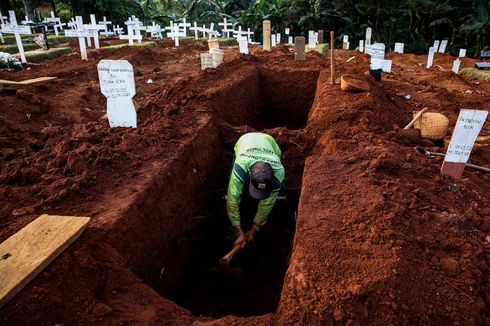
456, 65
399, 47
311, 39
278, 38
17, 30
290, 40
243, 45
462, 53
206, 60
436, 45
430, 57
345, 39
468, 126
386, 66
442, 47
273, 40
361, 45
286, 31
81, 34
377, 53
116, 79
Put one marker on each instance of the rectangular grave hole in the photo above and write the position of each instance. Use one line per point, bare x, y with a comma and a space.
287, 96
189, 277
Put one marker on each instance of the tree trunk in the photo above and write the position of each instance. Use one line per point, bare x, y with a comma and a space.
29, 6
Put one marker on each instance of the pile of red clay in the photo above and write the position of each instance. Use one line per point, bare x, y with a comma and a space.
380, 236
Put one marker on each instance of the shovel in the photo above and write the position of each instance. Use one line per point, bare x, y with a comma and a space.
223, 268
412, 135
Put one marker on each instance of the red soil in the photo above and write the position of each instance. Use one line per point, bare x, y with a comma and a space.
380, 237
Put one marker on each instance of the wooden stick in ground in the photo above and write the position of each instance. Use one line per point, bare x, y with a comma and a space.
332, 68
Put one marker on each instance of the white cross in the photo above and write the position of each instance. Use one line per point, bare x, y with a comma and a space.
106, 24
203, 31
13, 28
118, 30
155, 30
81, 34
138, 27
56, 21
249, 35
175, 33
239, 33
211, 32
27, 21
2, 18
196, 30
184, 25
94, 28
131, 37
226, 31
72, 24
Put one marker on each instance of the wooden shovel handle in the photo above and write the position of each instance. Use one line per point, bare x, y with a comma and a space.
232, 253
417, 116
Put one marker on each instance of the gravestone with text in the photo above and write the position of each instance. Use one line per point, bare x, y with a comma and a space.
243, 45
456, 65
468, 126
116, 78
345, 42
462, 53
430, 57
369, 32
361, 45
442, 47
311, 40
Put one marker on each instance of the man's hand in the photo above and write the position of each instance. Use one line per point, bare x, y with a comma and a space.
240, 237
249, 236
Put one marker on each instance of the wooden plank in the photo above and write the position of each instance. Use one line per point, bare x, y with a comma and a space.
9, 84
29, 251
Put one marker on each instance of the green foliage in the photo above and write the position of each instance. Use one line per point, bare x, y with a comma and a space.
417, 23
12, 48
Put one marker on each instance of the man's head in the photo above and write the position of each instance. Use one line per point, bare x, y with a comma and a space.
261, 177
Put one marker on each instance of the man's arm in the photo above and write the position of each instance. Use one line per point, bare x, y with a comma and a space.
265, 207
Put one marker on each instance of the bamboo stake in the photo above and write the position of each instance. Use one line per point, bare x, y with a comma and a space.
332, 68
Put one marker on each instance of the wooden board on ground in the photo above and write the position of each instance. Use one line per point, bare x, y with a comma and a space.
29, 251
8, 84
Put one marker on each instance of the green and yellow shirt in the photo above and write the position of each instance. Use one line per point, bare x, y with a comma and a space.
251, 148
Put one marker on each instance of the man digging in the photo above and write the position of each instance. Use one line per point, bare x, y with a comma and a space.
256, 167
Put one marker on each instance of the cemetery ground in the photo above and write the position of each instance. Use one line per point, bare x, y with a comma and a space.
370, 233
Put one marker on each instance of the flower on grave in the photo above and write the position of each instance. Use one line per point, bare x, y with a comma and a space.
9, 62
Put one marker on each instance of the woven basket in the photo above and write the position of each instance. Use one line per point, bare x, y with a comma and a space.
351, 83
432, 126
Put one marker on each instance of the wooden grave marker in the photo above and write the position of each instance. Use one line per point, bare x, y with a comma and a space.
106, 23
131, 35
17, 30
468, 126
184, 26
81, 34
436, 46
25, 254
226, 31
196, 30
278, 38
249, 36
462, 53
116, 78
361, 45
94, 28
299, 48
9, 84
273, 40
3, 19
266, 24
320, 36
56, 21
